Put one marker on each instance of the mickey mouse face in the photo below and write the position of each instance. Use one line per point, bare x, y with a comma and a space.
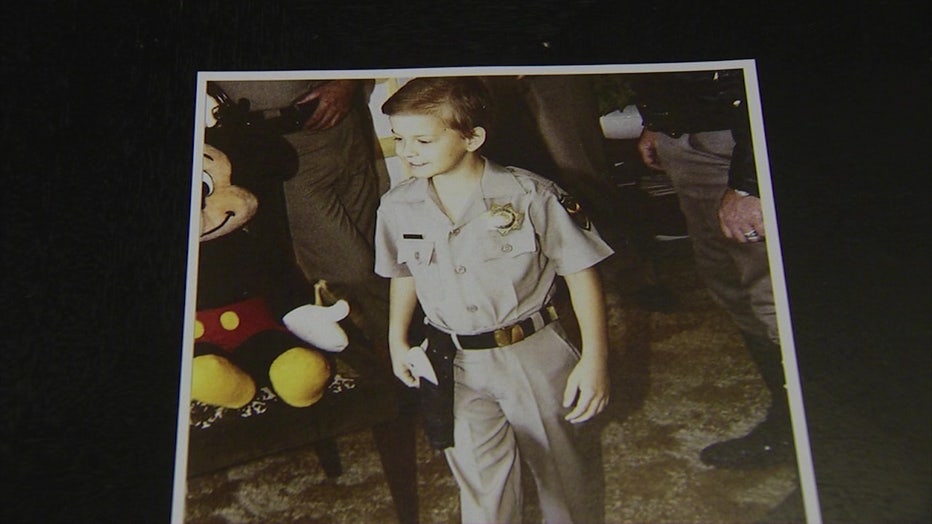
224, 206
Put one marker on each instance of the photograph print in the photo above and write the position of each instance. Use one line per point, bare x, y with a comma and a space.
487, 295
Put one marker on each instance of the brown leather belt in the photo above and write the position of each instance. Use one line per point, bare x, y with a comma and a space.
505, 336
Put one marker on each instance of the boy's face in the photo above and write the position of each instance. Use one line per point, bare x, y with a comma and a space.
428, 147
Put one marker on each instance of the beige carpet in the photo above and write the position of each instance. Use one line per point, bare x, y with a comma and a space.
681, 381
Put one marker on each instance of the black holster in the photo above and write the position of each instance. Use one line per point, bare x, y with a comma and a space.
437, 400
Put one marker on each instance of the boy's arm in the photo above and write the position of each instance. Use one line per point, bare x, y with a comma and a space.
402, 301
588, 384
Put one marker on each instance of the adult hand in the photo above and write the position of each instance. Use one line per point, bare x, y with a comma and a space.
647, 146
741, 218
588, 386
334, 100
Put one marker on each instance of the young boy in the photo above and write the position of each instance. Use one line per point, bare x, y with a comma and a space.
480, 246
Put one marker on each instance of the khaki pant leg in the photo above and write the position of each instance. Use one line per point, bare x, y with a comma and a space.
737, 275
485, 460
512, 396
331, 205
564, 459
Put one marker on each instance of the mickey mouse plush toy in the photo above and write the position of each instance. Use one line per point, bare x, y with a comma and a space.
254, 324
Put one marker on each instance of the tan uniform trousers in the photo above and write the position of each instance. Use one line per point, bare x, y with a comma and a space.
737, 275
331, 206
507, 408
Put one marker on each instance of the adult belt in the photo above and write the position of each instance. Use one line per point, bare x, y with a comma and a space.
508, 335
281, 120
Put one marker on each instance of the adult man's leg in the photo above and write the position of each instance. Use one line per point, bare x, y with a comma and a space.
738, 278
331, 205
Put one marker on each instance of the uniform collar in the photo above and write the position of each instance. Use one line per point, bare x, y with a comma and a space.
498, 185
499, 182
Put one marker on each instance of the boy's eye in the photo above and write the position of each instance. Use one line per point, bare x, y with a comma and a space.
423, 141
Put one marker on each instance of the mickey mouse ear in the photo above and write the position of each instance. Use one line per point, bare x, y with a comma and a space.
257, 158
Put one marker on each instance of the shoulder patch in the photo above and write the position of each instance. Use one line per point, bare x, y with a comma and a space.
575, 211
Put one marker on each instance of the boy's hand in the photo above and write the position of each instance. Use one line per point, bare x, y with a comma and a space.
399, 355
402, 300
588, 385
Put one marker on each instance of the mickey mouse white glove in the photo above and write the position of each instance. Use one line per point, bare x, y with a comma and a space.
318, 325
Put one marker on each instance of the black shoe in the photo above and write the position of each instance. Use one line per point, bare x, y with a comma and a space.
655, 298
760, 448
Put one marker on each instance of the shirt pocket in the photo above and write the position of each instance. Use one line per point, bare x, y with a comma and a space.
420, 257
505, 247
510, 270
415, 253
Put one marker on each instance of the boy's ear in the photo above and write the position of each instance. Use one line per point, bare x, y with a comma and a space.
474, 142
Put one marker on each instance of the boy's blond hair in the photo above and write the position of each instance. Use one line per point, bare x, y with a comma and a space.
463, 103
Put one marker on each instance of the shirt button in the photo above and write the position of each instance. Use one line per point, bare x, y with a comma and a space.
507, 248
455, 232
460, 270
472, 308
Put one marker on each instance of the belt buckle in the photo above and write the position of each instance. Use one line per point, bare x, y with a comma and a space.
507, 336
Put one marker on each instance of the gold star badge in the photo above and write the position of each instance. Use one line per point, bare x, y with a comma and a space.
504, 219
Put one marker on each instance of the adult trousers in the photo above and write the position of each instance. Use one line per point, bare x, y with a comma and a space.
331, 203
737, 275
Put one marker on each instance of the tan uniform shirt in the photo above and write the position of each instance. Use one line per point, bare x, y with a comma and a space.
496, 265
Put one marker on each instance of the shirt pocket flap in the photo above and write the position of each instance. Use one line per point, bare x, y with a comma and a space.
415, 252
511, 245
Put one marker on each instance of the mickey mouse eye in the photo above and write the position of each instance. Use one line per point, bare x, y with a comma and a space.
208, 184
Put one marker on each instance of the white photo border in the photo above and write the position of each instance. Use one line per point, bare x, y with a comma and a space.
794, 391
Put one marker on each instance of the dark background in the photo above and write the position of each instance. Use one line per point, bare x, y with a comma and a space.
98, 107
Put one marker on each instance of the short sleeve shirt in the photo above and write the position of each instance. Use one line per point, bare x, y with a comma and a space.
497, 264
